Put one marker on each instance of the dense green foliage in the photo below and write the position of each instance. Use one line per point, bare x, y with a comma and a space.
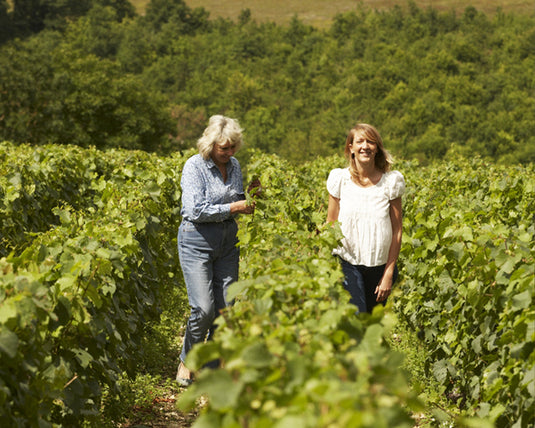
469, 257
77, 293
93, 73
290, 346
88, 259
29, 17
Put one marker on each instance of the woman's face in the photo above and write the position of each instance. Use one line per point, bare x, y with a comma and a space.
363, 149
221, 153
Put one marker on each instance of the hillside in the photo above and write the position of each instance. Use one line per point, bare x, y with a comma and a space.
437, 84
320, 12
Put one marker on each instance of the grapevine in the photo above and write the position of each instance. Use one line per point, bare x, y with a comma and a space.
88, 255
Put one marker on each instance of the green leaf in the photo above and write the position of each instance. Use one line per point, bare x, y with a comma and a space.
496, 411
153, 189
522, 300
373, 338
9, 342
202, 354
8, 310
440, 370
257, 355
507, 262
476, 344
223, 392
63, 214
529, 382
83, 357
208, 420
238, 287
292, 421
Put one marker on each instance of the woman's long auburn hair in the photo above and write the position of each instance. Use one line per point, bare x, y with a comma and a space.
383, 159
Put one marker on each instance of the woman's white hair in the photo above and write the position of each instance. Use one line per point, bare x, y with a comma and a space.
220, 129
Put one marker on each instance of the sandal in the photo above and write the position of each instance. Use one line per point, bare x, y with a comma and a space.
183, 381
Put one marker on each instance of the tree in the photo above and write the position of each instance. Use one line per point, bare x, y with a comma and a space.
32, 16
96, 104
28, 16
6, 29
55, 95
123, 8
98, 32
25, 75
175, 12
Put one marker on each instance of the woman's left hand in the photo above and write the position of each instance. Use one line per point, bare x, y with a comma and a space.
383, 290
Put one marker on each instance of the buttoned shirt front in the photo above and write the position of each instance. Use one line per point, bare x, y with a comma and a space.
205, 196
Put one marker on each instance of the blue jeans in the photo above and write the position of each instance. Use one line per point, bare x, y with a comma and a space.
209, 258
361, 281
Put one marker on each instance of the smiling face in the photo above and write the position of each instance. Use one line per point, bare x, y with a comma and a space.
221, 153
364, 142
363, 148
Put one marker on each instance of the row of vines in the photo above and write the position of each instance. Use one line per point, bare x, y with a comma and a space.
85, 260
292, 349
87, 253
469, 264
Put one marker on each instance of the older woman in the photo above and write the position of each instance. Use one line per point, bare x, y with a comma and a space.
366, 198
212, 195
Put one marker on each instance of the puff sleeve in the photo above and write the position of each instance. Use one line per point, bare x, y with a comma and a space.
396, 185
334, 182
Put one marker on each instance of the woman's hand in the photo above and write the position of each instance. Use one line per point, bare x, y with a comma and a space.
242, 207
384, 289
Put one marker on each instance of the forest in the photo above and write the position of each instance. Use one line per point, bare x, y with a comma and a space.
96, 73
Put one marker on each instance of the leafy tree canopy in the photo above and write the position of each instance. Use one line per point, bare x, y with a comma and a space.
435, 84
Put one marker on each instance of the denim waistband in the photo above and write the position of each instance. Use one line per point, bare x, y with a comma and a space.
200, 223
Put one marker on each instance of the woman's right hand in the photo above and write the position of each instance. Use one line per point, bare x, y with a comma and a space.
241, 207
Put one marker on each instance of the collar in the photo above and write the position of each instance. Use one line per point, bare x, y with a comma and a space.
211, 164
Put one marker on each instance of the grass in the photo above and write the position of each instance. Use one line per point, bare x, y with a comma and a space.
320, 12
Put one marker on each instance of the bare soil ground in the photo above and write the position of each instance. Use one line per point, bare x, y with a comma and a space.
162, 414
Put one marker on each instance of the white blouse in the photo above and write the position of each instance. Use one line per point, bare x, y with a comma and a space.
365, 216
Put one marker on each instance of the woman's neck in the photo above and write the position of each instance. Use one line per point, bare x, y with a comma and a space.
366, 169
223, 169
367, 174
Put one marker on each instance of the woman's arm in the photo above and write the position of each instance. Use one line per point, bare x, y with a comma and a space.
385, 285
333, 209
241, 207
196, 206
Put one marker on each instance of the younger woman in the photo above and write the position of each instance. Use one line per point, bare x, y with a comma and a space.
365, 198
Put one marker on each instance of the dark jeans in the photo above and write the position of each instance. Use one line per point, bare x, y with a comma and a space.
361, 281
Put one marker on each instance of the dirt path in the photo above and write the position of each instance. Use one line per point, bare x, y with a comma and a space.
162, 413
